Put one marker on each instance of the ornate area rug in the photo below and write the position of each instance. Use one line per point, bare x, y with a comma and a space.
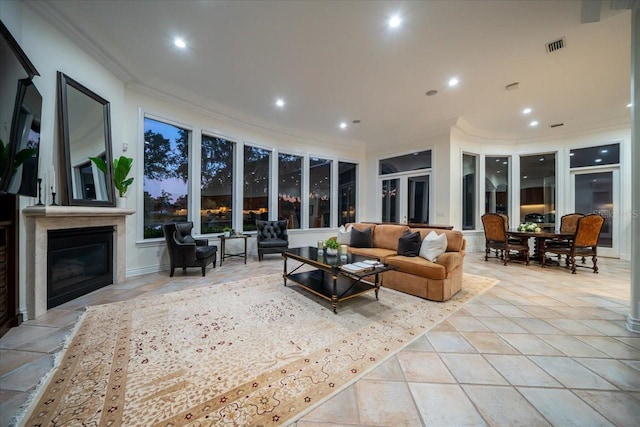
252, 352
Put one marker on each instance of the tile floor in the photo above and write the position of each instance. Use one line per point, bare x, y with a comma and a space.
542, 347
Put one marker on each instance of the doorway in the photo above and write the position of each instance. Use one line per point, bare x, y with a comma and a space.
406, 199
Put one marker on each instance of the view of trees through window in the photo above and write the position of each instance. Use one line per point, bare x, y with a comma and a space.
319, 193
347, 192
289, 188
216, 194
165, 184
256, 186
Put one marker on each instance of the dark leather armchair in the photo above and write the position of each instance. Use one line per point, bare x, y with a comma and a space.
184, 250
272, 237
496, 237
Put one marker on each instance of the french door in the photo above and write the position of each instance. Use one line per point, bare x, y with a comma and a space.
406, 199
597, 190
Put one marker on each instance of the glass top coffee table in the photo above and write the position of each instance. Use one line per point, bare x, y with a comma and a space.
327, 279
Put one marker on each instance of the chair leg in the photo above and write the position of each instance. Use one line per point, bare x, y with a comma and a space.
172, 271
204, 269
573, 265
526, 256
505, 257
486, 253
595, 263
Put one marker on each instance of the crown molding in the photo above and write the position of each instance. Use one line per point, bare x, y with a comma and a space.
238, 118
46, 10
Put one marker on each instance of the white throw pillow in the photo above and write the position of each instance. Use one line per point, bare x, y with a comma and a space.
433, 245
344, 235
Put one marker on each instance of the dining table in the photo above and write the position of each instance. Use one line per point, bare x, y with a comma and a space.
540, 240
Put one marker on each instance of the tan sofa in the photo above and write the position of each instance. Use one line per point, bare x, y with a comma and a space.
437, 281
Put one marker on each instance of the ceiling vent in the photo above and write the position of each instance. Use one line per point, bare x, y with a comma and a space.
556, 45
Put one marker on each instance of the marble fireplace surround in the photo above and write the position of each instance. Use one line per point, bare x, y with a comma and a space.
41, 219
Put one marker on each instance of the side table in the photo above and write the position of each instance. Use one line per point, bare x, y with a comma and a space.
223, 253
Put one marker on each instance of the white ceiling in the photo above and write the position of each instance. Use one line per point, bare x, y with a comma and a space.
337, 60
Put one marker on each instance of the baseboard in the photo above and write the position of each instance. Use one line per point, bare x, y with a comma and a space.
633, 325
131, 272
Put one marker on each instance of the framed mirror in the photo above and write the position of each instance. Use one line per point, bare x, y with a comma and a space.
85, 131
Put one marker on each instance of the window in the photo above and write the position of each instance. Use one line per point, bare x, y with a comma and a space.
289, 188
468, 191
216, 196
538, 189
166, 162
257, 168
406, 163
347, 192
595, 156
496, 179
319, 193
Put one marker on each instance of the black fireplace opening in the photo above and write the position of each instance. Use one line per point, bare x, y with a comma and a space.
79, 261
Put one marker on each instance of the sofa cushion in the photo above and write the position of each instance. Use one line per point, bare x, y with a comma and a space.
387, 235
418, 266
433, 245
374, 253
361, 238
409, 244
344, 235
455, 238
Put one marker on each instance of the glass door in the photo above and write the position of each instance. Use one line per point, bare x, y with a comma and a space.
597, 191
418, 199
390, 200
406, 199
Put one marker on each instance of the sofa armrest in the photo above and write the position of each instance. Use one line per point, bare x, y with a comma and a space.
450, 260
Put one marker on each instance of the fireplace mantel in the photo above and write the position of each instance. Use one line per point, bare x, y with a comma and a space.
41, 219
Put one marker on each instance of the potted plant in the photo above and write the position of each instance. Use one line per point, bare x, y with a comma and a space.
121, 168
227, 231
332, 247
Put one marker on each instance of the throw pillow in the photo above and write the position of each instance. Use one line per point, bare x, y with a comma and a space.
344, 235
409, 244
433, 246
361, 239
183, 233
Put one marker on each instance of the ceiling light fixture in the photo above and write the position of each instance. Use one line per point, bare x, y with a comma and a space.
280, 102
394, 21
629, 105
534, 123
527, 111
179, 41
343, 125
453, 82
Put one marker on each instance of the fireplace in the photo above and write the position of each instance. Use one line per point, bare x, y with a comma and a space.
79, 261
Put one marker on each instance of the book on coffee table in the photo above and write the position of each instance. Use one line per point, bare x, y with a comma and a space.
359, 267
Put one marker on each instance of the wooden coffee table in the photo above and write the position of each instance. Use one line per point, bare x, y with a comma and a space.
327, 280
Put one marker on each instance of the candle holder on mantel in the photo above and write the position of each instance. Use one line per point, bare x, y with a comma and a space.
53, 198
39, 193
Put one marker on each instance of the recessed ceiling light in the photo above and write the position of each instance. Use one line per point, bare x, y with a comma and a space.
453, 82
629, 105
280, 102
179, 41
343, 125
527, 111
534, 123
395, 21
597, 160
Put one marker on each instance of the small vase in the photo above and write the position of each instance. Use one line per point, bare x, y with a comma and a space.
121, 202
332, 251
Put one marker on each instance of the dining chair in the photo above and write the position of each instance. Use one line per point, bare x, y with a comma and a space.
584, 242
496, 237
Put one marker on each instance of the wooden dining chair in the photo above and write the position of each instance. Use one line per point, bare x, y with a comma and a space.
496, 237
584, 242
568, 224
